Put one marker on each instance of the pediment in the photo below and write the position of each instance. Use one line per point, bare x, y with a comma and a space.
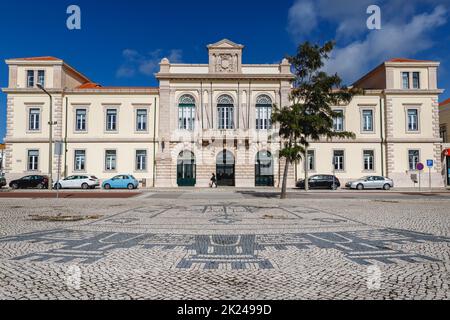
225, 44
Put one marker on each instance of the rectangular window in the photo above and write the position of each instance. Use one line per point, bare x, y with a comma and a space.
416, 80
141, 120
33, 160
338, 121
41, 78
263, 117
80, 160
405, 80
110, 160
111, 120
338, 160
34, 117
30, 79
186, 117
368, 160
80, 124
226, 117
367, 120
413, 120
311, 160
413, 159
141, 160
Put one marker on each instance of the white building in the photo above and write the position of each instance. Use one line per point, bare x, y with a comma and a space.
215, 118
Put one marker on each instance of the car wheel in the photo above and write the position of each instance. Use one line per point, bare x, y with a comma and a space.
386, 187
15, 186
40, 186
360, 187
334, 187
130, 187
107, 186
58, 186
84, 186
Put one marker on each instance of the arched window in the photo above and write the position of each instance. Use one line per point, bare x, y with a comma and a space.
186, 112
263, 112
264, 171
225, 111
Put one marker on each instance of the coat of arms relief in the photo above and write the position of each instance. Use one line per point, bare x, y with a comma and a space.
225, 62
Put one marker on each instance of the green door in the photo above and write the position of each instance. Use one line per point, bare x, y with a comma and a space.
186, 170
225, 168
264, 176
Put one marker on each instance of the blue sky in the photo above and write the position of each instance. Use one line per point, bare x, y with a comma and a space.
121, 42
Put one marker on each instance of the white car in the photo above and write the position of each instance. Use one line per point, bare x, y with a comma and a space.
78, 182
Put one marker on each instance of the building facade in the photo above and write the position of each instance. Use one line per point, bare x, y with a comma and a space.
2, 158
444, 118
215, 118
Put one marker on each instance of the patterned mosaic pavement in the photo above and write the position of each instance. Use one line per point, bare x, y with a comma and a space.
260, 239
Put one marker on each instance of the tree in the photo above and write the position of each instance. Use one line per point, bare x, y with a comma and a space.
310, 115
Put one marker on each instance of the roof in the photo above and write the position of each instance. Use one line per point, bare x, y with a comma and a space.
393, 60
89, 86
38, 59
445, 102
407, 60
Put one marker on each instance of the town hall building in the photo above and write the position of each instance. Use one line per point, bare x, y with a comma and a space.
216, 118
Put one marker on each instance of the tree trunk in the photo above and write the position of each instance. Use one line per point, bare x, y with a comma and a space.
306, 169
285, 178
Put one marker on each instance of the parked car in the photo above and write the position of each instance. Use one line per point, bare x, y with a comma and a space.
321, 181
40, 182
123, 181
2, 181
371, 182
78, 182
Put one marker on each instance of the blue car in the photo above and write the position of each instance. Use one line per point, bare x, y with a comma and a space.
123, 181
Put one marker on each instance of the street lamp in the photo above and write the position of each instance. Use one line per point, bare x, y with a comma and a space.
50, 138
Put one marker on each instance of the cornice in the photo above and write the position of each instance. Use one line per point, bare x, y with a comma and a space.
223, 76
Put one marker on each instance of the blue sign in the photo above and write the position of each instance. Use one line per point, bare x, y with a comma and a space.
430, 163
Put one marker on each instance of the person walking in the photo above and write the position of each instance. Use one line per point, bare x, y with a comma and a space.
213, 181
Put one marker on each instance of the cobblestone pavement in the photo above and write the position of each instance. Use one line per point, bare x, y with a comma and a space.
226, 248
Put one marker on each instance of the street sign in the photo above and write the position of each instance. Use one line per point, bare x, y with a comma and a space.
430, 163
420, 166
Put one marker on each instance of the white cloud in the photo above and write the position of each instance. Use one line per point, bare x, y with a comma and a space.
146, 64
394, 40
302, 18
347, 17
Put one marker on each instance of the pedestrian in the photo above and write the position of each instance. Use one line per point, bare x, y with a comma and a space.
213, 181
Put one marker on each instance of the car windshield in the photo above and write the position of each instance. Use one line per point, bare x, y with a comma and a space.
365, 178
94, 177
132, 177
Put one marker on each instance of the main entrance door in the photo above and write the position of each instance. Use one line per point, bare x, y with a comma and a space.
225, 167
186, 169
264, 169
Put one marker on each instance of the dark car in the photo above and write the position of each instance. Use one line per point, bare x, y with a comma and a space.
39, 182
2, 181
321, 181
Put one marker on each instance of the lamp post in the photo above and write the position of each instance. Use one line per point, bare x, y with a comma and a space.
50, 138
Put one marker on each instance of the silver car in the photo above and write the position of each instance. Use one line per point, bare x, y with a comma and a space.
371, 182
